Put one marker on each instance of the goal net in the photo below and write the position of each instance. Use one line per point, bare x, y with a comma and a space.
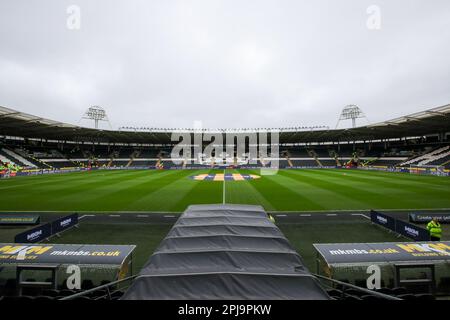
427, 169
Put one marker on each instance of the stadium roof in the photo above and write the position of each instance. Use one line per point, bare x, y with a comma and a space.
19, 124
225, 252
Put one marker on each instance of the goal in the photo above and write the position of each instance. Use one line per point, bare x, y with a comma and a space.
427, 169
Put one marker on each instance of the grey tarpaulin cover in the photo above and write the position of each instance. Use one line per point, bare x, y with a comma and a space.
225, 252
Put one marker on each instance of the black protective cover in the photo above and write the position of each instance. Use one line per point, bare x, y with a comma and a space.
225, 252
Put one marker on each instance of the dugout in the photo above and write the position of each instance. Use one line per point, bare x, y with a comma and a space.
29, 268
225, 252
417, 266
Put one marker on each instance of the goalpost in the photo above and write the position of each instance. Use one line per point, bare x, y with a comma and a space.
427, 169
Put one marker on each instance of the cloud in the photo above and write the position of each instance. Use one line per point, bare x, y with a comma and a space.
226, 63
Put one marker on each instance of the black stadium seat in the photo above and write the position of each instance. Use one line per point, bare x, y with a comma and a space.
425, 297
10, 287
407, 296
334, 292
352, 298
385, 291
354, 292
370, 297
87, 284
116, 295
399, 290
82, 298
361, 283
67, 292
24, 298
8, 298
43, 298
50, 292
98, 293
444, 284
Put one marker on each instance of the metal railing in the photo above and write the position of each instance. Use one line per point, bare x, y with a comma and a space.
321, 279
363, 290
104, 286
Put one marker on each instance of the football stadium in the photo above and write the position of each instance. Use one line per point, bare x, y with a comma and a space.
332, 191
261, 199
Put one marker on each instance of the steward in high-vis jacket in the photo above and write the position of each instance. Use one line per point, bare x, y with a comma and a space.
434, 227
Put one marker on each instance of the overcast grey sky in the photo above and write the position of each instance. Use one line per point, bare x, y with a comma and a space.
230, 63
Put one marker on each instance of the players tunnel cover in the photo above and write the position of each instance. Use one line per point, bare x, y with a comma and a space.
225, 252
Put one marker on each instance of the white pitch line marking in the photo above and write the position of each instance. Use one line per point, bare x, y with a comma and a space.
86, 215
223, 193
361, 215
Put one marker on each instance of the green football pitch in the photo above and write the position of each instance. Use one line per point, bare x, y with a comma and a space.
174, 190
147, 236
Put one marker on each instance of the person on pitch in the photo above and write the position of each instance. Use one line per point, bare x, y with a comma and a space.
434, 227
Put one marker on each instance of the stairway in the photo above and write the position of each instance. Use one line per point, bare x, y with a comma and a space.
287, 155
30, 157
368, 162
313, 154
16, 159
41, 163
262, 161
334, 155
133, 155
6, 160
21, 159
428, 157
445, 163
158, 163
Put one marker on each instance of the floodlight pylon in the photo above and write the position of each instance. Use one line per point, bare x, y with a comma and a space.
352, 112
97, 114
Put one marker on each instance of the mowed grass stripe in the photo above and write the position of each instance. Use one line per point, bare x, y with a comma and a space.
372, 195
82, 195
245, 192
200, 192
429, 180
433, 182
394, 186
375, 194
61, 180
325, 194
45, 195
165, 196
172, 190
367, 196
414, 192
334, 197
122, 194
283, 194
54, 179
